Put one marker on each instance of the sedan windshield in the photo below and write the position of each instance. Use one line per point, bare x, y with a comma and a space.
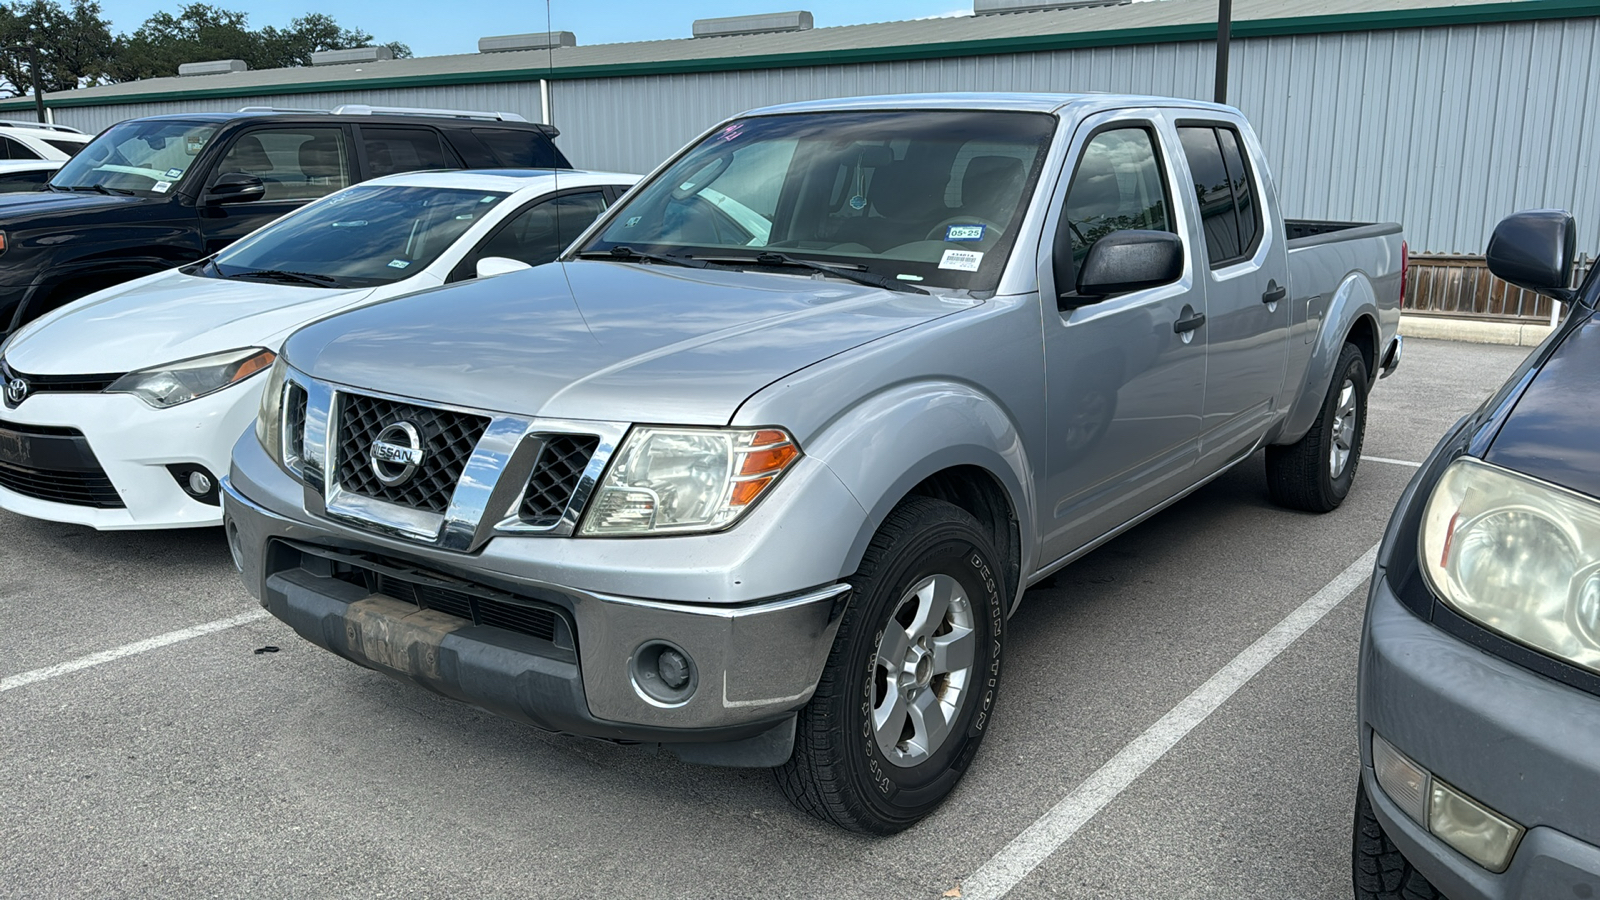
364, 236
146, 156
929, 198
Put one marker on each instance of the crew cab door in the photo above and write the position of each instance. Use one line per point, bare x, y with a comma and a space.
1246, 280
1125, 374
298, 164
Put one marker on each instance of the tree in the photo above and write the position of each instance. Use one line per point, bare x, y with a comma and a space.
75, 45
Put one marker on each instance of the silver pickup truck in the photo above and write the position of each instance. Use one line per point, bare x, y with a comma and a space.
758, 470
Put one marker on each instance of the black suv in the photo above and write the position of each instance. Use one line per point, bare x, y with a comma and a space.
150, 194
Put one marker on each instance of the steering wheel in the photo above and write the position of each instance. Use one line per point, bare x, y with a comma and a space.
990, 229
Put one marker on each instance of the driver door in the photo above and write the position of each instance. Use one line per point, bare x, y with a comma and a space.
1125, 374
298, 164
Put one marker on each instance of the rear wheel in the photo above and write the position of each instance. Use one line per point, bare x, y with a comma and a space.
1379, 871
911, 681
1315, 473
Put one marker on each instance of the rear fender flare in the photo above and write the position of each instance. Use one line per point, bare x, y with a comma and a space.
1352, 301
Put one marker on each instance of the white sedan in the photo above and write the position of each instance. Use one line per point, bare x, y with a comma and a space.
119, 410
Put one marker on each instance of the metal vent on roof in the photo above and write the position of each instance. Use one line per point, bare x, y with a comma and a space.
996, 7
353, 55
765, 23
214, 67
543, 40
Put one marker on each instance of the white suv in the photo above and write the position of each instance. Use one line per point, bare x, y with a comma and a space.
36, 140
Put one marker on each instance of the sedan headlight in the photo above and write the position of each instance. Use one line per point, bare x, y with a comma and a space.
185, 380
1517, 555
674, 480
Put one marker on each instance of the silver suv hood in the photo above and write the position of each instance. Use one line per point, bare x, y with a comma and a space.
603, 340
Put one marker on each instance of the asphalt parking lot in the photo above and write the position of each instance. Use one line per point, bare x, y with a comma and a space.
1146, 744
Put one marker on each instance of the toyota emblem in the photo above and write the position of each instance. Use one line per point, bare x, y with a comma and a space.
16, 391
396, 453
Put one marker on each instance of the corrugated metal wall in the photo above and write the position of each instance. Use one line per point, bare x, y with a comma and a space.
1443, 129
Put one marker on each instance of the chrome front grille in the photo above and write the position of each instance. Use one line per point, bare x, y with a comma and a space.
556, 474
448, 439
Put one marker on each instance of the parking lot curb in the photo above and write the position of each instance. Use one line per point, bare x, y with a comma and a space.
1470, 331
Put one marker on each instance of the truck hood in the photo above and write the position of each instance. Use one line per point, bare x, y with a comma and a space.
605, 340
1550, 434
24, 206
166, 317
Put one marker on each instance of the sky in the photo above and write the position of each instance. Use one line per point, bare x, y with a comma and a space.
431, 32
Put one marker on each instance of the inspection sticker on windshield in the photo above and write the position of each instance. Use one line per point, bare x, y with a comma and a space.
399, 263
174, 173
161, 187
964, 233
961, 260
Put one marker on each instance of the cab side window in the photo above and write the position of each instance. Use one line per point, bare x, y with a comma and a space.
1118, 186
1229, 214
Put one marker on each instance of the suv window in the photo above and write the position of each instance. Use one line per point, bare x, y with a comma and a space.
540, 232
14, 149
520, 149
298, 163
391, 151
1228, 211
1118, 186
12, 182
70, 148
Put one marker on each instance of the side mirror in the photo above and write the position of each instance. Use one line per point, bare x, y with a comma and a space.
490, 266
1132, 260
236, 187
1534, 249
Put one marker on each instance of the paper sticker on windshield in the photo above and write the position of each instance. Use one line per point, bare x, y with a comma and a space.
732, 132
399, 263
632, 222
174, 174
961, 260
161, 187
489, 199
464, 217
964, 233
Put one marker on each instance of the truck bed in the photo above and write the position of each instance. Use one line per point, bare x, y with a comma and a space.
1309, 232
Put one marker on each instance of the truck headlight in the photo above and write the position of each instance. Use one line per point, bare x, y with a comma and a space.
185, 380
269, 417
673, 480
1517, 555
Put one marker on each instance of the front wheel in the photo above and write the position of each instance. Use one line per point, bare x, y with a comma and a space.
911, 681
1315, 473
1378, 870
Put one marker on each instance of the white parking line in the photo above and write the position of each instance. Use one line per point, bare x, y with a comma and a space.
1393, 462
995, 878
105, 656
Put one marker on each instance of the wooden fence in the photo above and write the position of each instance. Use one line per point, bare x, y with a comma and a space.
1462, 287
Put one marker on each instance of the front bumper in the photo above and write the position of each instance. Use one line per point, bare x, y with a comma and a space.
1514, 740
134, 444
756, 662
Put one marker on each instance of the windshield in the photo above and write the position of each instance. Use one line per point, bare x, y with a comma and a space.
148, 155
927, 198
364, 236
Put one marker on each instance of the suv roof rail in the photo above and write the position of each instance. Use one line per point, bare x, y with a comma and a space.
42, 126
362, 109
282, 109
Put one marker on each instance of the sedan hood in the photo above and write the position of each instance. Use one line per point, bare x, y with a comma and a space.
1551, 434
166, 317
625, 342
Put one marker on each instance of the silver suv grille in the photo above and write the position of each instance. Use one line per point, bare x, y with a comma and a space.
448, 439
555, 477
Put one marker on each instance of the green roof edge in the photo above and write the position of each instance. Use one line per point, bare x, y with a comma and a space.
1514, 11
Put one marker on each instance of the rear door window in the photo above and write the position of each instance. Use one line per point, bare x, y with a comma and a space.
1243, 190
70, 148
1229, 213
391, 151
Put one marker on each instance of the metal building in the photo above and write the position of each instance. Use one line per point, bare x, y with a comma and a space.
1444, 116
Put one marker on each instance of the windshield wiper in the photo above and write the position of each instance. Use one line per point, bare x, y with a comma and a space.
628, 254
98, 189
290, 277
783, 260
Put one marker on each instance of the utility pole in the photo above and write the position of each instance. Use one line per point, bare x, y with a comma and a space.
1224, 25
33, 66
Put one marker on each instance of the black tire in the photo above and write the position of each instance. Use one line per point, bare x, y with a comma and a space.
1378, 870
839, 772
1301, 475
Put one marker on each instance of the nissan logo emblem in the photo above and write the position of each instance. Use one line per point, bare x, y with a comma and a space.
16, 391
396, 453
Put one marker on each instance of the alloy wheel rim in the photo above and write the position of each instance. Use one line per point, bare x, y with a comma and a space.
1344, 430
922, 670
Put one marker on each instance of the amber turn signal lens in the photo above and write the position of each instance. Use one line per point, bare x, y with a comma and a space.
745, 492
760, 462
254, 364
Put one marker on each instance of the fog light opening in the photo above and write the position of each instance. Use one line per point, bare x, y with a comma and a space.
1478, 832
197, 482
663, 674
1405, 782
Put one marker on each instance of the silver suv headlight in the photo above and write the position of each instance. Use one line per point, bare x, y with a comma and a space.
675, 480
1517, 555
269, 417
179, 382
